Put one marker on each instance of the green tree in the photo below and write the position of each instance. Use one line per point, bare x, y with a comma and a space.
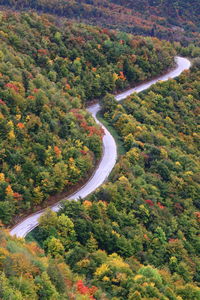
54, 247
108, 103
46, 290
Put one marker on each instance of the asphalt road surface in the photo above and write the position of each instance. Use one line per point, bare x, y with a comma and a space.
109, 156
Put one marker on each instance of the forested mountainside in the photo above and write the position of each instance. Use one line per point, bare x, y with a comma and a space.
148, 212
136, 237
184, 10
47, 76
173, 20
26, 273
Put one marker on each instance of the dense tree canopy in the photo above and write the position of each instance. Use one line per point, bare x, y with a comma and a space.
136, 237
167, 19
148, 213
47, 74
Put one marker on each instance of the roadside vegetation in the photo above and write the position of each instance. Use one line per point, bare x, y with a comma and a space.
48, 74
137, 236
149, 210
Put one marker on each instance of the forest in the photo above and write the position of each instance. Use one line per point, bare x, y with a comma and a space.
47, 77
166, 19
156, 183
137, 236
25, 271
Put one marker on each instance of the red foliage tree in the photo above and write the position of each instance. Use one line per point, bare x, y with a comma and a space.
84, 290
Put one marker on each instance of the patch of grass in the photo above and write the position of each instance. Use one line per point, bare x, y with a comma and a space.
120, 145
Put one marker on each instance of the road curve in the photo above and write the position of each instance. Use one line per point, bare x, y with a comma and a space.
109, 156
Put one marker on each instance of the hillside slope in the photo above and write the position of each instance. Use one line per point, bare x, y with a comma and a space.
25, 272
47, 75
173, 20
149, 209
137, 237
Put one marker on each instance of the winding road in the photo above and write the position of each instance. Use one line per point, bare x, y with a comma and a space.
109, 154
